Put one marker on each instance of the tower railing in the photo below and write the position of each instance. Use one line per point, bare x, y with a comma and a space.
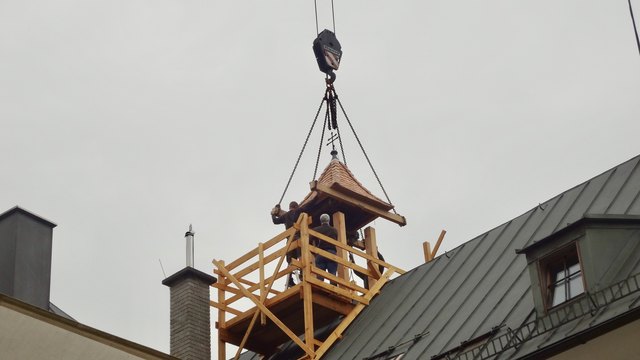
253, 314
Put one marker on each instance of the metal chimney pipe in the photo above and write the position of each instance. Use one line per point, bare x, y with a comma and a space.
189, 237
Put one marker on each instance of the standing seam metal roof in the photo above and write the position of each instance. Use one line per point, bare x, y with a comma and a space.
482, 284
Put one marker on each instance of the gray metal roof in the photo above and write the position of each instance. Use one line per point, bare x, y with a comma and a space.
483, 286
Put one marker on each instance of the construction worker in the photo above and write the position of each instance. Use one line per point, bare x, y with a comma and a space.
288, 218
322, 262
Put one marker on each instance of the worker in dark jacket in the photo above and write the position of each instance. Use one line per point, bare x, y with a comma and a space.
322, 262
288, 218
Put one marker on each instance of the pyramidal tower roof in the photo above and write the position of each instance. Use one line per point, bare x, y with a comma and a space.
338, 176
337, 189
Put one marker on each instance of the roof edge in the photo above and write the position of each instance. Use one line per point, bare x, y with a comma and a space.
18, 209
117, 342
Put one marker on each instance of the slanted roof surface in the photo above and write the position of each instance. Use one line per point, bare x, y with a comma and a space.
483, 283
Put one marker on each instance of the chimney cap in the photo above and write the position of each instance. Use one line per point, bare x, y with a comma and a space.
189, 272
17, 209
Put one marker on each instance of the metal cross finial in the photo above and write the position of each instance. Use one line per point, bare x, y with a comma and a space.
332, 139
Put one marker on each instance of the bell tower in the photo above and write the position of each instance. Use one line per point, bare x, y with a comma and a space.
304, 320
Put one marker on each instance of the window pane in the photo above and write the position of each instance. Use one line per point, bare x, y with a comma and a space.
575, 285
558, 293
574, 268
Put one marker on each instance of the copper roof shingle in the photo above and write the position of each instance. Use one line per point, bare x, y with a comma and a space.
337, 174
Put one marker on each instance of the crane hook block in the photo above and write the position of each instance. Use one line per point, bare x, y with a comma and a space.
328, 52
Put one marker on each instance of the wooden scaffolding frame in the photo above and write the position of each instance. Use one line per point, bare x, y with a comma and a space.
275, 317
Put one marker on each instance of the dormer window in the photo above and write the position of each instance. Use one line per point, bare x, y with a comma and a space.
586, 256
564, 276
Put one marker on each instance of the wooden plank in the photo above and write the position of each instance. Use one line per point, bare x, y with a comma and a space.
242, 259
339, 225
331, 288
269, 303
335, 258
338, 306
374, 271
272, 279
357, 252
246, 334
222, 346
264, 309
371, 248
269, 290
224, 308
340, 281
426, 248
307, 300
337, 332
263, 318
305, 257
254, 266
398, 219
435, 248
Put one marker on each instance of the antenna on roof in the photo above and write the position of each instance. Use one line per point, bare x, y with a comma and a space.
189, 238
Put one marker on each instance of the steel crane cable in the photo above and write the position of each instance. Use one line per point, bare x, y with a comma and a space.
301, 151
364, 152
326, 121
344, 158
333, 16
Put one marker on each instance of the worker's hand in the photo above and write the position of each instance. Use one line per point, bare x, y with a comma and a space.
275, 211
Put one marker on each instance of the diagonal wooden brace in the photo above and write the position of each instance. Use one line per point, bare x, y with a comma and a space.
264, 309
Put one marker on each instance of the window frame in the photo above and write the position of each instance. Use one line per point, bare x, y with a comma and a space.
551, 264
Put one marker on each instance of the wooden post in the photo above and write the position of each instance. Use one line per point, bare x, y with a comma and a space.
426, 247
371, 248
255, 315
307, 294
435, 248
340, 225
263, 308
263, 317
222, 346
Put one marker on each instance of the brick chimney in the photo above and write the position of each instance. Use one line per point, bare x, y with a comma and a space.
190, 318
25, 256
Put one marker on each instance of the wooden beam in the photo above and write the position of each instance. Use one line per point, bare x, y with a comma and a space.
264, 309
224, 308
246, 334
254, 266
307, 296
269, 303
242, 259
342, 282
356, 252
263, 294
426, 248
398, 219
329, 303
371, 248
435, 248
255, 315
337, 332
340, 225
334, 289
222, 346
335, 258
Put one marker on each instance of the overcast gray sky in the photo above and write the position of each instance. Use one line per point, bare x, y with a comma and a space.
125, 120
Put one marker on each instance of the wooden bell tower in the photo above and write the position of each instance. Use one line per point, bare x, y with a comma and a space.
305, 319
